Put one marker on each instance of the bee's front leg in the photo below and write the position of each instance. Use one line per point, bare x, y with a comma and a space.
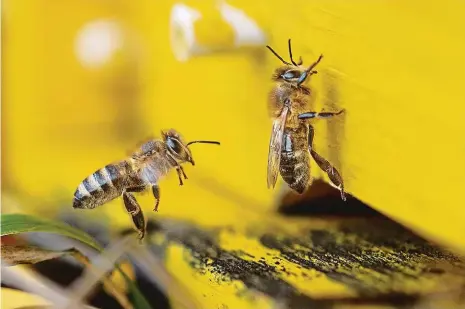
181, 174
133, 208
309, 115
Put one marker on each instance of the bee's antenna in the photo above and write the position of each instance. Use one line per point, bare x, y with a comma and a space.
310, 68
278, 56
290, 53
204, 142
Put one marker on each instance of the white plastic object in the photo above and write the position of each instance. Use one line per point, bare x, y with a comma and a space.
247, 31
97, 41
182, 36
184, 39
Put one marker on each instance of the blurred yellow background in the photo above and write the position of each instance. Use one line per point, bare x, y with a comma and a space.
85, 81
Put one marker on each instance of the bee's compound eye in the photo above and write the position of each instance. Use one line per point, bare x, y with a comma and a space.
289, 75
170, 143
173, 145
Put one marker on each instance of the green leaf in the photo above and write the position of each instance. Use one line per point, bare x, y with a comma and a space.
137, 298
20, 223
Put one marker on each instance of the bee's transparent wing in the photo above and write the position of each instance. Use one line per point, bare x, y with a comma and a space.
276, 141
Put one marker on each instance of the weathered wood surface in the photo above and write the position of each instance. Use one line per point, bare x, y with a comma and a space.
329, 261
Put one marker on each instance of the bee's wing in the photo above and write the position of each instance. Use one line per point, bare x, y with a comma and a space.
276, 141
138, 146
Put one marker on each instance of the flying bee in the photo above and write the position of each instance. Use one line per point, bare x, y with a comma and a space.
141, 171
291, 143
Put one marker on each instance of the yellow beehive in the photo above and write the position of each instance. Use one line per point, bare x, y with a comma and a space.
395, 67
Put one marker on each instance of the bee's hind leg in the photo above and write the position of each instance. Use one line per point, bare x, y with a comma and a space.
156, 194
330, 170
133, 208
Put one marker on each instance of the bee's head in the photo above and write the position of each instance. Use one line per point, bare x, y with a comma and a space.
293, 73
178, 148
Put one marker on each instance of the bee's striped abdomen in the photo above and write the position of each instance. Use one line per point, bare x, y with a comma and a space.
102, 186
295, 159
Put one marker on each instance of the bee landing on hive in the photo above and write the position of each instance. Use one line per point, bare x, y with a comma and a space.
141, 171
292, 136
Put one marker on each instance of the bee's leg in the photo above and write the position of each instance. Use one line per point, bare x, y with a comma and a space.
133, 208
136, 189
309, 115
330, 170
182, 170
178, 170
181, 174
156, 194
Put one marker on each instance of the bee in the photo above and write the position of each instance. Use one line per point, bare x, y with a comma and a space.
139, 172
291, 143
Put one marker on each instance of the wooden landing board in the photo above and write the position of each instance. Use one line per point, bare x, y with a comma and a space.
329, 262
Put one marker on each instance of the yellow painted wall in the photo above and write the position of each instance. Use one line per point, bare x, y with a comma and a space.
397, 68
